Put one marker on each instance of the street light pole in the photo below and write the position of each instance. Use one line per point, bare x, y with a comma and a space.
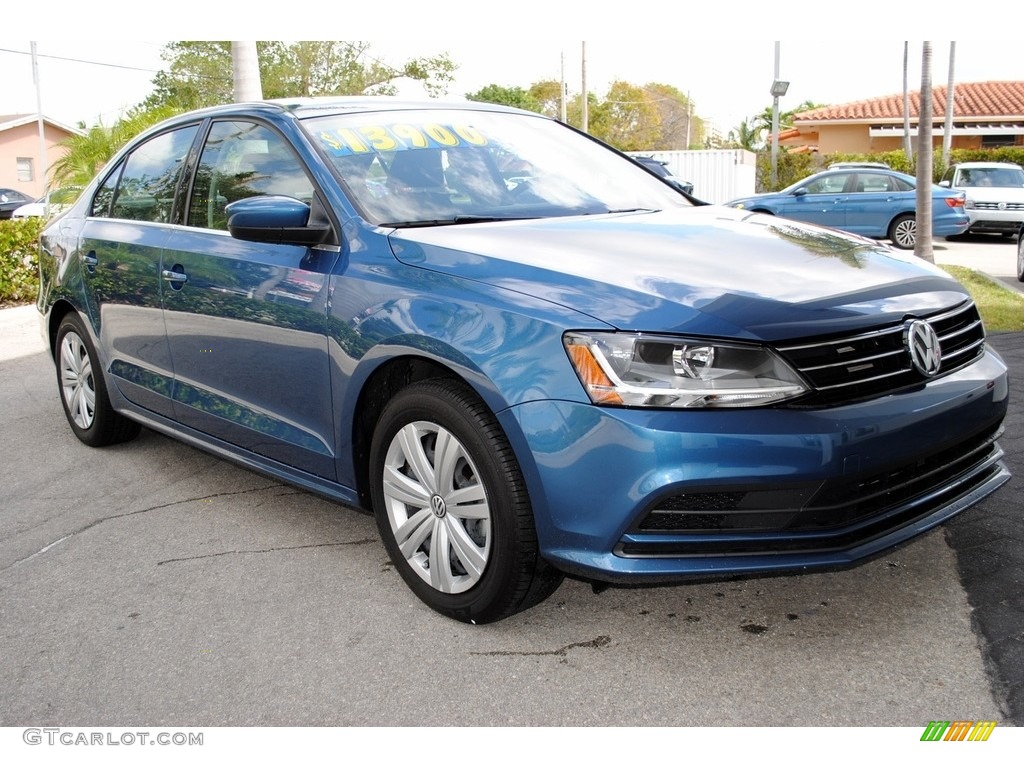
779, 88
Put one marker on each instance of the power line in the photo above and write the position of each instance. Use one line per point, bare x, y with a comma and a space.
80, 61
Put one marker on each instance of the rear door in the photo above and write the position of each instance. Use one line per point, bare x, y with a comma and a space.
120, 248
876, 200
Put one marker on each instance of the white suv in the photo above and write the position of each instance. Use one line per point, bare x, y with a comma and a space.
995, 195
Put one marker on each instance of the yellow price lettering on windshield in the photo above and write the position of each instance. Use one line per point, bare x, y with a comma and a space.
470, 134
353, 140
410, 134
441, 135
331, 141
379, 137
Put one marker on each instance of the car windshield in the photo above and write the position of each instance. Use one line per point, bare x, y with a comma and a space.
991, 177
409, 168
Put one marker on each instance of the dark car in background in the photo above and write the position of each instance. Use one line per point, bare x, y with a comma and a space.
10, 199
873, 202
660, 168
579, 372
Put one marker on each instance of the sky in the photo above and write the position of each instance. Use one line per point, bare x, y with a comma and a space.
725, 61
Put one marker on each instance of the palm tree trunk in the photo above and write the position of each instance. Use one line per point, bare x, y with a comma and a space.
923, 242
947, 132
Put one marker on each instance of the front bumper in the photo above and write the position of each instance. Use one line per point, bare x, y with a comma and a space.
632, 495
994, 220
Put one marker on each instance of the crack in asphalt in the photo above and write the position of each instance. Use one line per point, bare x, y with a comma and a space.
598, 642
358, 542
94, 523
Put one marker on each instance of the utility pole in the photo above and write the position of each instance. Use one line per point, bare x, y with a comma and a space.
563, 94
41, 171
907, 149
779, 88
923, 238
586, 116
245, 68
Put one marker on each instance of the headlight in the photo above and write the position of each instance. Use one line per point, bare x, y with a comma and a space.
665, 372
968, 203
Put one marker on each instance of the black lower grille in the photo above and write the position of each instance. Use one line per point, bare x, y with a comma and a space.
835, 514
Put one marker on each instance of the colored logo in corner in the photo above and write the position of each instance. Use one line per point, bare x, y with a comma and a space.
958, 730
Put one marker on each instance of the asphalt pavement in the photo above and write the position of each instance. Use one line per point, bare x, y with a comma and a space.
151, 583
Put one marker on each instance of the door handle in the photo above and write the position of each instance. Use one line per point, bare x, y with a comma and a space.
172, 276
90, 261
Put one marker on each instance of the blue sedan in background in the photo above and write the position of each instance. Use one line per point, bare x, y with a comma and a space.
874, 202
521, 351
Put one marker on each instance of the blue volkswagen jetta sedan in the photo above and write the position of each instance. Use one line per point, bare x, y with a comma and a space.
868, 201
526, 355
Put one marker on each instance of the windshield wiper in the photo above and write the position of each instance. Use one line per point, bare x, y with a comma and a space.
462, 219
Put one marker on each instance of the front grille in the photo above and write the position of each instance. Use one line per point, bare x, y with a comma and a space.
995, 206
837, 514
852, 368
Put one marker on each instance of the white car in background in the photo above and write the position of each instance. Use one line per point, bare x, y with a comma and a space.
995, 195
60, 200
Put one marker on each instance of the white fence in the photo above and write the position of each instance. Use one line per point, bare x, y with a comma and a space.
717, 175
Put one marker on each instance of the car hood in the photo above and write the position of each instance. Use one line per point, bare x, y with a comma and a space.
708, 270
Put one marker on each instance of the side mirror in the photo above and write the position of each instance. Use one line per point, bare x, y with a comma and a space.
945, 183
274, 219
800, 192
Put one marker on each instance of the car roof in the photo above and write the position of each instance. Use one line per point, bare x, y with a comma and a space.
982, 164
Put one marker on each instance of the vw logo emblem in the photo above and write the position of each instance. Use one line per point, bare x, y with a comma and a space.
1002, 206
437, 506
923, 345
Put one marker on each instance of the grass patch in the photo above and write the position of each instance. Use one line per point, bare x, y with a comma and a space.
1001, 308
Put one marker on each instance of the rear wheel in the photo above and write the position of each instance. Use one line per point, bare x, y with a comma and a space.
83, 393
452, 507
903, 231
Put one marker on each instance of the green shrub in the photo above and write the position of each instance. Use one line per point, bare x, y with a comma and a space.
19, 270
898, 161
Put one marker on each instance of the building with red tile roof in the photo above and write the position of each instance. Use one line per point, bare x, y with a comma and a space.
985, 115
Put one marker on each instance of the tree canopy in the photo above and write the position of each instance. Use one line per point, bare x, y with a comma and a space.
199, 73
630, 117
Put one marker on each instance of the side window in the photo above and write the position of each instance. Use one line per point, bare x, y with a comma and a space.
829, 185
242, 160
874, 182
145, 191
105, 194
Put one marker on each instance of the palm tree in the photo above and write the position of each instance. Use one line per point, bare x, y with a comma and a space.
947, 132
86, 154
923, 241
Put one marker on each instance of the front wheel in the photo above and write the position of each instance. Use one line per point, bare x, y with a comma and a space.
452, 507
903, 231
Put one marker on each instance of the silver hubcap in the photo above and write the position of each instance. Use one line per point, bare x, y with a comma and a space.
906, 232
76, 380
437, 507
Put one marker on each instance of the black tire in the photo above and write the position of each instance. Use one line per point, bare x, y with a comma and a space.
83, 391
471, 547
903, 231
